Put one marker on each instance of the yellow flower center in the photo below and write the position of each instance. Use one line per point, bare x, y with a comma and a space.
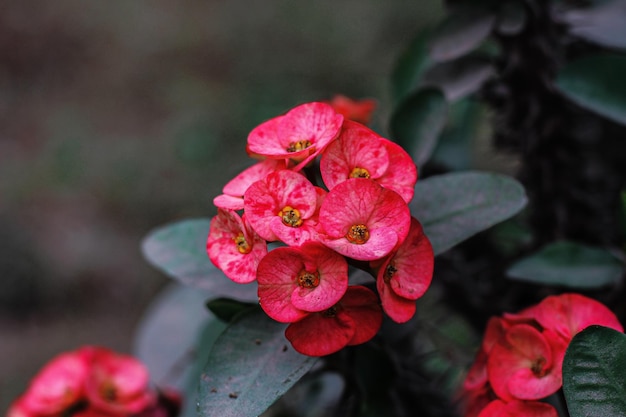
308, 279
108, 391
359, 173
242, 244
298, 145
291, 216
358, 234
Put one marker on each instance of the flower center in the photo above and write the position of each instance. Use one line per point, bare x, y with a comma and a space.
242, 244
538, 368
291, 216
108, 391
389, 271
298, 145
358, 234
308, 279
359, 173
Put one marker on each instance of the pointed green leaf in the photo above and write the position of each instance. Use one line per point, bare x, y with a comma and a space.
461, 32
594, 373
601, 23
597, 83
453, 207
168, 340
179, 250
417, 123
570, 265
410, 67
250, 366
226, 309
459, 78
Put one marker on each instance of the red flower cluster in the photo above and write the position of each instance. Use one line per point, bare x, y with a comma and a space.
93, 382
521, 356
359, 215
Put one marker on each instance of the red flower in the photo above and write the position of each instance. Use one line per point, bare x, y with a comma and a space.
526, 363
117, 383
405, 275
361, 153
355, 319
233, 191
362, 220
567, 314
234, 247
499, 408
300, 135
356, 110
57, 386
294, 281
282, 206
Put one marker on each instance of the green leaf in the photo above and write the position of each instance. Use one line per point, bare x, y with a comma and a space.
417, 123
410, 67
226, 309
167, 340
459, 78
453, 207
454, 148
601, 23
570, 265
461, 32
179, 250
597, 83
250, 366
594, 373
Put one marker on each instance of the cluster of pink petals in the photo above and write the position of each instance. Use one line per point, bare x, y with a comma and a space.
357, 215
520, 360
92, 381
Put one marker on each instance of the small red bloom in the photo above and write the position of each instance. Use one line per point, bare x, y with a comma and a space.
117, 383
361, 153
499, 408
234, 247
567, 314
58, 386
355, 319
405, 275
356, 110
362, 220
526, 363
294, 281
300, 135
282, 206
233, 191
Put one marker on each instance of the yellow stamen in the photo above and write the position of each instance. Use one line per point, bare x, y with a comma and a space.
358, 234
298, 145
242, 244
308, 279
291, 216
359, 173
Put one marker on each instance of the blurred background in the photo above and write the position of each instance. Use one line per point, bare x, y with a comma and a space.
117, 117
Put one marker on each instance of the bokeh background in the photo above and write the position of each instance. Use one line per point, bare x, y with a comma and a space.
119, 116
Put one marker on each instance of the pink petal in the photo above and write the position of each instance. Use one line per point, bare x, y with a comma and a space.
356, 147
320, 334
410, 269
525, 357
224, 252
264, 139
362, 305
276, 277
399, 309
264, 200
238, 185
401, 175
